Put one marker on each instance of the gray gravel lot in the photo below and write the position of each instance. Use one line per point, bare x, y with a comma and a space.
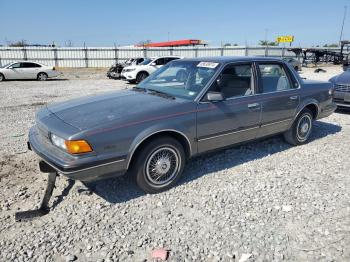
263, 201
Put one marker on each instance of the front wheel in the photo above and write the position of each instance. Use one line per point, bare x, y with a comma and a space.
140, 77
159, 165
301, 129
42, 77
2, 78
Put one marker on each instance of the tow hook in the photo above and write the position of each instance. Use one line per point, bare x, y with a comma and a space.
44, 207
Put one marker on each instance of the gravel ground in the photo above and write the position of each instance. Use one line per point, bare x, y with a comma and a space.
263, 201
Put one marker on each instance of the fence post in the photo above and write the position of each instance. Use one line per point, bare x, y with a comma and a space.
246, 51
55, 56
283, 51
25, 57
144, 52
222, 51
196, 52
267, 50
116, 54
171, 50
86, 57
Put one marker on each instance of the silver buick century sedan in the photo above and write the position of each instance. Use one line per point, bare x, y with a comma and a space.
186, 108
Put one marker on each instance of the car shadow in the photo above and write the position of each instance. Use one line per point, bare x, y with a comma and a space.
123, 189
345, 111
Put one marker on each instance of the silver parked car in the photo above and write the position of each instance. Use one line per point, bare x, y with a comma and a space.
342, 89
187, 107
27, 70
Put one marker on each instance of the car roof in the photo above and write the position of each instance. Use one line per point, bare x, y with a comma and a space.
230, 59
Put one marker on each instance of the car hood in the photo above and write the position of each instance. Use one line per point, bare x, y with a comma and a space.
113, 107
342, 79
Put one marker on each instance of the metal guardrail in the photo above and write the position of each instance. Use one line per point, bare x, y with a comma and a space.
105, 56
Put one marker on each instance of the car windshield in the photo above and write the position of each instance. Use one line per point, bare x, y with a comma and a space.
184, 79
5, 65
146, 61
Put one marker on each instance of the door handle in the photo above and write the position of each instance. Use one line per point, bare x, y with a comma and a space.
293, 97
253, 105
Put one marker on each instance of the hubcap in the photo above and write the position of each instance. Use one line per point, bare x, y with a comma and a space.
162, 166
304, 127
42, 77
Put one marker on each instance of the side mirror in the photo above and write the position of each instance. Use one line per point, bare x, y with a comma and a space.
10, 67
215, 96
153, 64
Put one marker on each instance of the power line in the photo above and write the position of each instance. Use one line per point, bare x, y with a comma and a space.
342, 26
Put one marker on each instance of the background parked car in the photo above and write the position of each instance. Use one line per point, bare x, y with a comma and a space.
295, 63
116, 69
342, 89
27, 70
137, 73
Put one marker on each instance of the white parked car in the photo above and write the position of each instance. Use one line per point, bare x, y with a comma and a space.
137, 73
27, 70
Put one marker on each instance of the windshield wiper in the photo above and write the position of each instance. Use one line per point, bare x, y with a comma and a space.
162, 94
138, 89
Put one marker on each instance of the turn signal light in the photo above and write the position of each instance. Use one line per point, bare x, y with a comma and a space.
78, 147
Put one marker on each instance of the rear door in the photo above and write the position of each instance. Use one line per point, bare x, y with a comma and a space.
30, 70
279, 94
237, 118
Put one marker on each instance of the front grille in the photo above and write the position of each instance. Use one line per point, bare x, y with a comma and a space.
342, 88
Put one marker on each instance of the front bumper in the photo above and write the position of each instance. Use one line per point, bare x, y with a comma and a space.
129, 76
84, 168
342, 99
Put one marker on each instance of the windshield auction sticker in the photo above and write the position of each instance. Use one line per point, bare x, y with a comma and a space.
207, 64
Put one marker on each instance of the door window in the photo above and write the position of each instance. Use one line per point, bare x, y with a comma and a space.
168, 59
16, 65
30, 65
160, 61
235, 81
274, 78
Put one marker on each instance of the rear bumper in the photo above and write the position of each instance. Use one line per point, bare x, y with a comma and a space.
89, 168
327, 111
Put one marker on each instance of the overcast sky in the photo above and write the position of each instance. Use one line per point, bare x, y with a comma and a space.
103, 22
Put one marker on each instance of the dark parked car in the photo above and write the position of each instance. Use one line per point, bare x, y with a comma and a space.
187, 107
342, 89
114, 72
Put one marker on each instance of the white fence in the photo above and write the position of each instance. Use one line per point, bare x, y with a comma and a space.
105, 56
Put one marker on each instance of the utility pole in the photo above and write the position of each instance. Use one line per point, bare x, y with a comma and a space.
342, 26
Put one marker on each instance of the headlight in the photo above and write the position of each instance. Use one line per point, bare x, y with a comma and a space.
129, 70
71, 146
58, 141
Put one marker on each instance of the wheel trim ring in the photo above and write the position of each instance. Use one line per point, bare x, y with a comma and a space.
170, 177
305, 119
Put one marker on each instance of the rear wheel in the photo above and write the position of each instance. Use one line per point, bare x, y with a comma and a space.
2, 78
42, 76
301, 129
159, 165
141, 76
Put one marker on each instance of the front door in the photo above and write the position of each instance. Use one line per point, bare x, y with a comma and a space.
234, 120
280, 96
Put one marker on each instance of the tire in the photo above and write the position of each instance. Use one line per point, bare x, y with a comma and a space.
301, 129
2, 78
167, 157
42, 76
141, 76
